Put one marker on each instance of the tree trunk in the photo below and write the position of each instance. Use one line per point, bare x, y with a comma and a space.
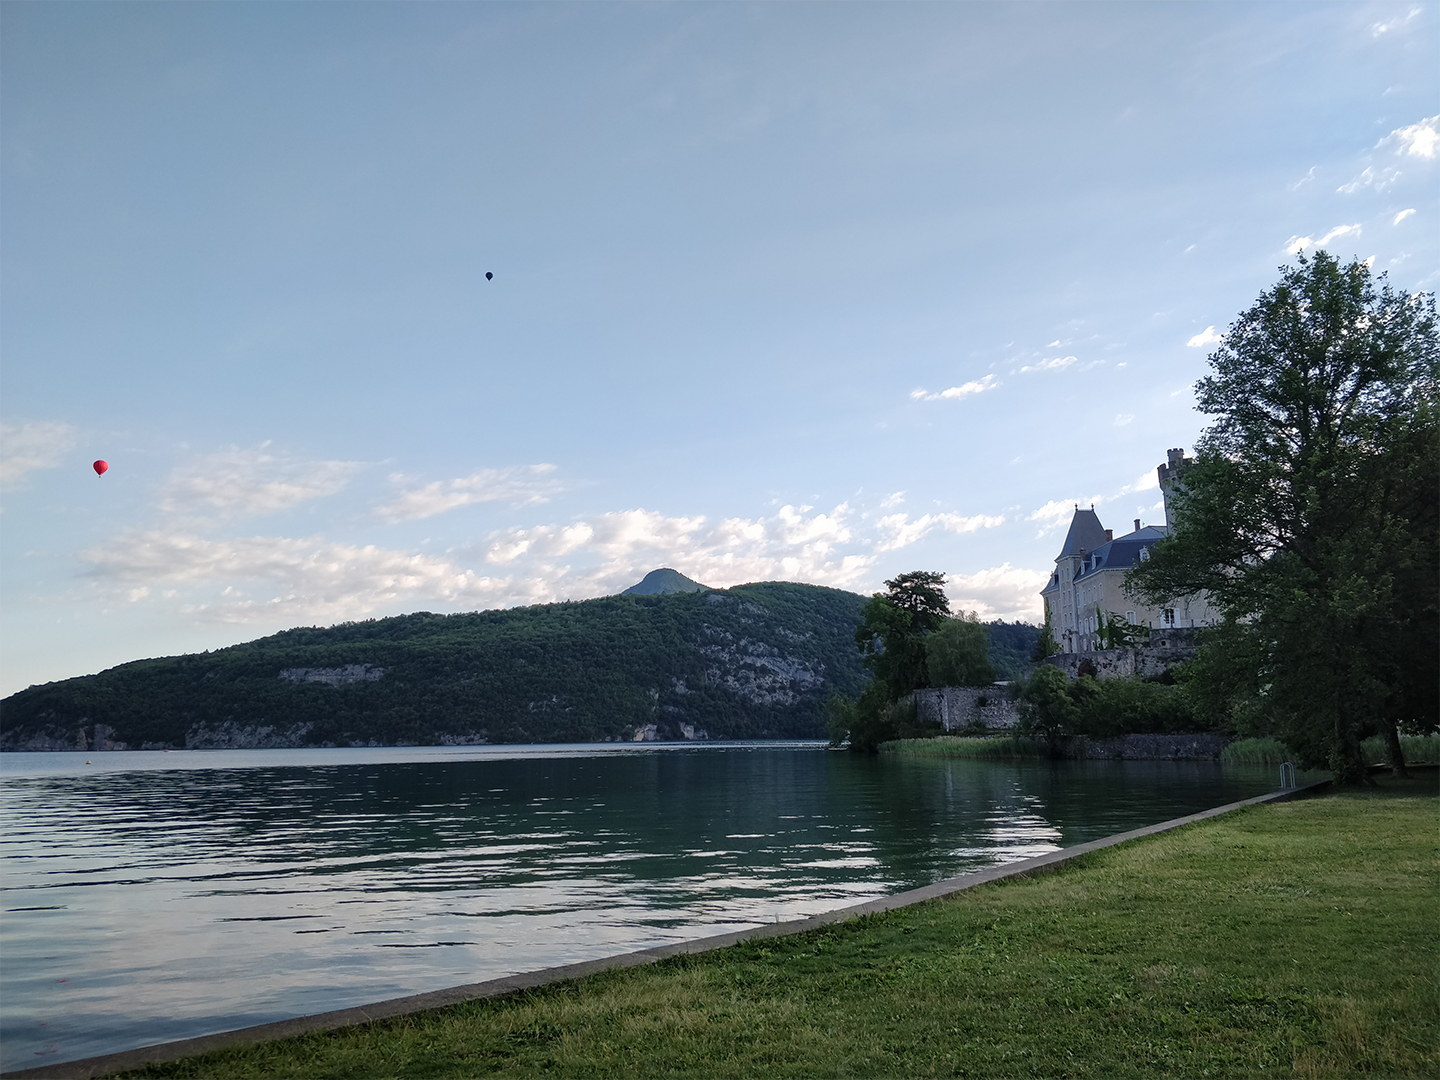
1397, 755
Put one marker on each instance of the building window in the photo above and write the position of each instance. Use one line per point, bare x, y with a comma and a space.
1130, 617
1145, 554
1167, 617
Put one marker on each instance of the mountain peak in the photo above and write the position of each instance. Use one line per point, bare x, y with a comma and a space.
664, 580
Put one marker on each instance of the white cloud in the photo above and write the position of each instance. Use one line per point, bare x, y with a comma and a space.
1420, 139
1057, 513
27, 447
521, 485
1379, 179
898, 531
1000, 592
795, 544
894, 499
1147, 481
1208, 336
288, 580
1054, 344
1402, 216
1304, 179
244, 483
1380, 29
979, 386
1053, 364
1121, 419
1297, 244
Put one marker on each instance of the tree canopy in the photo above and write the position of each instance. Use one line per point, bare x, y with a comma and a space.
1310, 515
893, 627
957, 652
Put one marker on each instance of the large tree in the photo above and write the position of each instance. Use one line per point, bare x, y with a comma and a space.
893, 628
957, 652
1310, 515
891, 638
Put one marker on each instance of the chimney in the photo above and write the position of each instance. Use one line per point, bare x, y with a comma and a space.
1137, 524
1109, 534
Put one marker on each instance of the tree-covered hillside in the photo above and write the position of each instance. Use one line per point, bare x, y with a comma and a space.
755, 661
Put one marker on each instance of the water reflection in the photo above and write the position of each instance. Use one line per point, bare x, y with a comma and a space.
156, 903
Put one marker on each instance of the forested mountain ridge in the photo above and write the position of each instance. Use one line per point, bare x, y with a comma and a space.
754, 661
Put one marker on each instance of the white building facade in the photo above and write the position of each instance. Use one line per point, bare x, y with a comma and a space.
1089, 578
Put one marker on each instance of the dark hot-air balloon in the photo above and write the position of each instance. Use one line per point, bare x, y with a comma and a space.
100, 467
489, 276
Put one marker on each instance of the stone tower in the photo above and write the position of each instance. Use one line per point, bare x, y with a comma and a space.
1175, 465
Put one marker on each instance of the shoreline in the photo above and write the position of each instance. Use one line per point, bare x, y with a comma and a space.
157, 1053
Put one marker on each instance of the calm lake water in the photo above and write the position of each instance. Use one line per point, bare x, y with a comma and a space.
156, 896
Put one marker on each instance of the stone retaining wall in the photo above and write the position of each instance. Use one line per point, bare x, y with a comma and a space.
1124, 663
956, 707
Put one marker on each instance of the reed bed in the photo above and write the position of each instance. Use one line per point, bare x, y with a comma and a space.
1266, 751
1418, 750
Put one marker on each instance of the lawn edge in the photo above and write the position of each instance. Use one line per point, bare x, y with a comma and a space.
124, 1060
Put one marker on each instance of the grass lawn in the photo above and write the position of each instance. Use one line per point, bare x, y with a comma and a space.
1294, 939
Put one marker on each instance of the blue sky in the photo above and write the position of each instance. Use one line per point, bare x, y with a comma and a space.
809, 292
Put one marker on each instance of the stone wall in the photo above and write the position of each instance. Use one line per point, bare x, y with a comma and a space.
956, 707
1126, 663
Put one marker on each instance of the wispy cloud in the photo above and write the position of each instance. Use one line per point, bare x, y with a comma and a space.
1297, 244
246, 483
1121, 419
1421, 139
1402, 215
288, 580
520, 484
1309, 176
1370, 177
1399, 22
898, 531
1208, 336
796, 544
27, 447
1052, 364
1057, 513
979, 386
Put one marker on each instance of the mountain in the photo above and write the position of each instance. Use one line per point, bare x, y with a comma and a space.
664, 580
754, 661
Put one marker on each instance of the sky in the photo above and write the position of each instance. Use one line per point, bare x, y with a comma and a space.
807, 292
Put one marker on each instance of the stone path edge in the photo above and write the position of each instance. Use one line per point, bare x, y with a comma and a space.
106, 1064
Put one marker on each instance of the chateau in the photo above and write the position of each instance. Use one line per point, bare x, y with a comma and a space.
1089, 578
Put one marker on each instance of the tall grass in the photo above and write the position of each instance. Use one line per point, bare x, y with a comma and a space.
951, 746
1418, 749
1266, 751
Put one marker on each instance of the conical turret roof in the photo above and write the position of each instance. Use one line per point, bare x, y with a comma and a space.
1085, 533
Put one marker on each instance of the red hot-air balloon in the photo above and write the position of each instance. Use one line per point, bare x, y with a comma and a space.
100, 467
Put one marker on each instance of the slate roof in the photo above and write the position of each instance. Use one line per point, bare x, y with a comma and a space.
1085, 532
1121, 553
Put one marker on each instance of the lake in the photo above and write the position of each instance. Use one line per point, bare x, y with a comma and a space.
151, 896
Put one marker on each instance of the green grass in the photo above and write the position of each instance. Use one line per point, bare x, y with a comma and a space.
1294, 939
953, 746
